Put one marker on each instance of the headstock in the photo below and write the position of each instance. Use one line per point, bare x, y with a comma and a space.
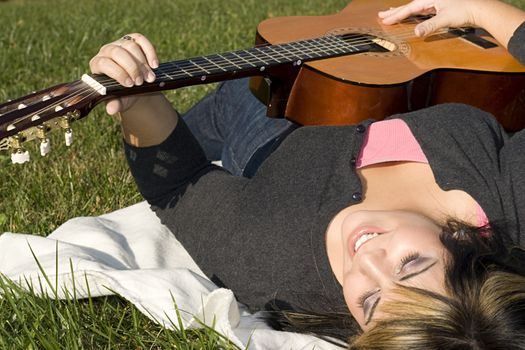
33, 116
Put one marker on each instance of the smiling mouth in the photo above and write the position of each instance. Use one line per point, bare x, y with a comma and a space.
362, 235
363, 239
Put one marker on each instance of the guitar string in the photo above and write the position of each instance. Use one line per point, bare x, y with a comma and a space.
240, 60
87, 88
54, 105
335, 44
80, 92
183, 68
341, 45
190, 62
189, 65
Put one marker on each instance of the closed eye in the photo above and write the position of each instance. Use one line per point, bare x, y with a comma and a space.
413, 261
413, 264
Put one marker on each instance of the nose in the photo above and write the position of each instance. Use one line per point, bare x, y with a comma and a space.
374, 264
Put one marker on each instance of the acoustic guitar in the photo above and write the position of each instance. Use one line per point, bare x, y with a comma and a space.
337, 69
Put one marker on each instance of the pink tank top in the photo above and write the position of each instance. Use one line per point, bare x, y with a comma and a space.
392, 141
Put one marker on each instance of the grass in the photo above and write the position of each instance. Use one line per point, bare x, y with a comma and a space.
45, 42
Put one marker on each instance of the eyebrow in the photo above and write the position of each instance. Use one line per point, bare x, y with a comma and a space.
404, 278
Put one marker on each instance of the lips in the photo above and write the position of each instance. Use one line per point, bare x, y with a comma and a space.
358, 235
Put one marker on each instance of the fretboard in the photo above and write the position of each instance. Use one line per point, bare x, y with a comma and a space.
253, 61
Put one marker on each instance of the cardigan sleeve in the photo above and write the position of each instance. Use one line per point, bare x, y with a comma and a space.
176, 176
164, 172
517, 44
512, 163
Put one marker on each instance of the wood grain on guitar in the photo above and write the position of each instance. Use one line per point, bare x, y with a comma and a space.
451, 66
337, 69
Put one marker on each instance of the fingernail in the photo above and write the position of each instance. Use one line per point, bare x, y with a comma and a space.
139, 81
128, 82
150, 77
420, 31
155, 64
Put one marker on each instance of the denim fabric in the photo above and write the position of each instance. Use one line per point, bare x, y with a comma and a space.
231, 125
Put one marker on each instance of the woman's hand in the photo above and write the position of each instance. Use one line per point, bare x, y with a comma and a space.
448, 13
129, 60
149, 119
498, 18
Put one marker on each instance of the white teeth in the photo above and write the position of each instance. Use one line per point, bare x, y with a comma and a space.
363, 239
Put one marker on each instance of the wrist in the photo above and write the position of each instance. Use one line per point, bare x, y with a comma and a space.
140, 102
478, 11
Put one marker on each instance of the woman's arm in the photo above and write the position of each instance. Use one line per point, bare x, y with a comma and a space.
162, 154
498, 18
146, 120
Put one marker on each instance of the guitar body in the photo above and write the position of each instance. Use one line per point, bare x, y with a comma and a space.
412, 74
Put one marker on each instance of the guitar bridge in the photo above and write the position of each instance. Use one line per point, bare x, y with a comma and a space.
473, 36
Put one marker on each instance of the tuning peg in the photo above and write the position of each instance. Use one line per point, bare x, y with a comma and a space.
20, 156
68, 135
45, 145
65, 124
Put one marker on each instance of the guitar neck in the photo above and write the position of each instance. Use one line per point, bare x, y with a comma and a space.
34, 115
241, 63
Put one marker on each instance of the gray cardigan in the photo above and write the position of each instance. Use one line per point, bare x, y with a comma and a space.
264, 237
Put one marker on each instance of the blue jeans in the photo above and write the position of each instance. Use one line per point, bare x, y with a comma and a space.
231, 125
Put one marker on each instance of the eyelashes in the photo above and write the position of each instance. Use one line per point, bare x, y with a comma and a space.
362, 299
407, 259
368, 303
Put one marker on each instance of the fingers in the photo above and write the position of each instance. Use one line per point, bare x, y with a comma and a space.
128, 60
113, 106
148, 49
446, 15
431, 25
397, 14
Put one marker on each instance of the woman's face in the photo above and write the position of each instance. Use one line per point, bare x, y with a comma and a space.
385, 248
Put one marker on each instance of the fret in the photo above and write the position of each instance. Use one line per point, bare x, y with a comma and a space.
275, 51
305, 49
260, 57
215, 64
329, 46
261, 51
227, 60
256, 57
220, 61
237, 60
242, 58
326, 46
199, 67
160, 69
178, 67
288, 48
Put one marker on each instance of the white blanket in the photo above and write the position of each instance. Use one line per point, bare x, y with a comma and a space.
129, 252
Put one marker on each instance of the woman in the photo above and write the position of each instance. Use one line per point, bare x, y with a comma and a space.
328, 225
